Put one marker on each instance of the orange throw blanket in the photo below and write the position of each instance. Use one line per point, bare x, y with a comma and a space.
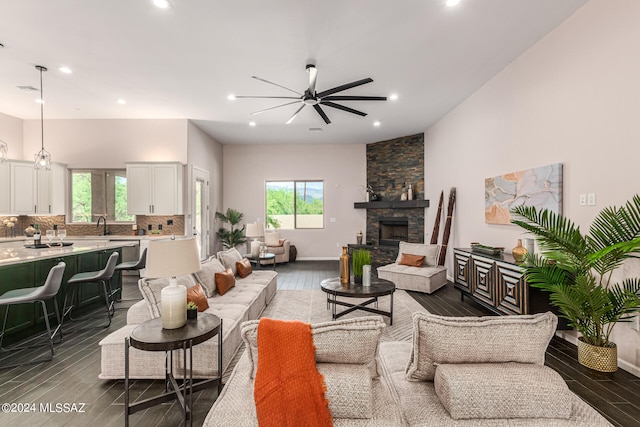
288, 389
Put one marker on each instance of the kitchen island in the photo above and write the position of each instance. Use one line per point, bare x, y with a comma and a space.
22, 267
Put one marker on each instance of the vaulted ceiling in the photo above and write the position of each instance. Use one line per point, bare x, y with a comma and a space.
184, 61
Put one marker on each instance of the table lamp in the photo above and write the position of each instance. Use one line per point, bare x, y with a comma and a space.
255, 230
171, 258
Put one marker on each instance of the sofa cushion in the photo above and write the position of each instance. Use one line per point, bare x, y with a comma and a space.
152, 288
229, 258
430, 252
412, 260
349, 390
343, 341
196, 294
494, 339
272, 238
225, 280
502, 390
243, 267
207, 275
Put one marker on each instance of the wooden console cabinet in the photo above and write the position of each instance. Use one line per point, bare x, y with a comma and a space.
497, 283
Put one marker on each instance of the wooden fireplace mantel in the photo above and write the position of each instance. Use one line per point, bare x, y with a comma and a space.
392, 204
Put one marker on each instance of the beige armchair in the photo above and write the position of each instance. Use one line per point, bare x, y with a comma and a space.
277, 246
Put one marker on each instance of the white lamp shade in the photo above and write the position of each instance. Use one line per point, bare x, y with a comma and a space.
255, 229
171, 258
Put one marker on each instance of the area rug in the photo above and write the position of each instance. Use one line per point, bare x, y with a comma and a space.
311, 306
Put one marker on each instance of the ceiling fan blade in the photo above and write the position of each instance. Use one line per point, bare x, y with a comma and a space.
273, 108
322, 114
354, 98
344, 87
266, 97
275, 84
296, 113
342, 107
313, 75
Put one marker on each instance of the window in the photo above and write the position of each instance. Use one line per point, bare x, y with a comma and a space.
99, 192
295, 204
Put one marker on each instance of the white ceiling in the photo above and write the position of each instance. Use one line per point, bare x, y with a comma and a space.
185, 61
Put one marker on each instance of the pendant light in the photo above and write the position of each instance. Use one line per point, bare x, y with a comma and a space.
42, 159
3, 151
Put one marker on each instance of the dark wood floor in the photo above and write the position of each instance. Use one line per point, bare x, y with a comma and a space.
72, 376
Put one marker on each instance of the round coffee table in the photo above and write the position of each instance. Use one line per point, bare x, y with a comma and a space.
379, 287
258, 259
150, 336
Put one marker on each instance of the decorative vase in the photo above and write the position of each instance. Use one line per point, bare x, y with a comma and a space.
192, 314
519, 251
359, 237
602, 359
366, 275
410, 193
344, 266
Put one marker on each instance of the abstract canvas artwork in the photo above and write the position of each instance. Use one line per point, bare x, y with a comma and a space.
540, 187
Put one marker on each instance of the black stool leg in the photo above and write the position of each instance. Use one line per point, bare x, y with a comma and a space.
4, 326
46, 321
107, 300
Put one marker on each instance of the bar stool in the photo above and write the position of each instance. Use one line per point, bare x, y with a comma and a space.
102, 277
32, 295
133, 265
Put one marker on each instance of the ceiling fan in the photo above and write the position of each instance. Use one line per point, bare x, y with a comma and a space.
316, 99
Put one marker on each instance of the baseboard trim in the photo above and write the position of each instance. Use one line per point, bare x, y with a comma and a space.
304, 258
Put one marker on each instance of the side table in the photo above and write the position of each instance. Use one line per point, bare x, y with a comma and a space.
150, 336
266, 257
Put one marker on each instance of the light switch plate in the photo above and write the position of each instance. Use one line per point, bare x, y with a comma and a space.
583, 199
591, 199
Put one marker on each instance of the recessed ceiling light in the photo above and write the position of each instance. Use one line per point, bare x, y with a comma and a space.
162, 4
121, 101
40, 101
452, 3
376, 123
252, 124
393, 96
231, 97
65, 70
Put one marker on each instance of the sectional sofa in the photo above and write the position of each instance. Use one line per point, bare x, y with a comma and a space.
245, 301
457, 372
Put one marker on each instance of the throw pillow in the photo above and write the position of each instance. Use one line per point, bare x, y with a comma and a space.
196, 294
229, 258
491, 339
343, 341
244, 268
271, 238
225, 281
207, 275
502, 390
412, 260
430, 252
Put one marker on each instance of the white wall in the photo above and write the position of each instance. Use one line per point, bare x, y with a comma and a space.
108, 143
341, 167
11, 133
572, 98
206, 153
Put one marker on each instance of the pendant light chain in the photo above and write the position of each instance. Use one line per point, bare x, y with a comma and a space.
42, 160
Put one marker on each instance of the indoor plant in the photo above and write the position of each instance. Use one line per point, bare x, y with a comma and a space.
192, 310
359, 258
577, 271
233, 236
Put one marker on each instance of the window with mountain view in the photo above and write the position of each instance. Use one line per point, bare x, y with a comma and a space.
295, 204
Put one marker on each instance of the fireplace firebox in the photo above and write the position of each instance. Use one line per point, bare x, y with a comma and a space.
393, 230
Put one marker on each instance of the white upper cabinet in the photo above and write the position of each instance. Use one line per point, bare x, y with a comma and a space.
154, 188
5, 188
37, 191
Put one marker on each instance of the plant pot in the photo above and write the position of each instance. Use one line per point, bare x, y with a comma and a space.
192, 314
602, 359
357, 280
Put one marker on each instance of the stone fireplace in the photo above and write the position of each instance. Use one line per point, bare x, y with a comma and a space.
393, 230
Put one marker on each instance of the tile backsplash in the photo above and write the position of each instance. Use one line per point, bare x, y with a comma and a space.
142, 221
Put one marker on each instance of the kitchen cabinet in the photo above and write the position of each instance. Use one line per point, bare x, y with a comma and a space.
5, 188
154, 188
34, 191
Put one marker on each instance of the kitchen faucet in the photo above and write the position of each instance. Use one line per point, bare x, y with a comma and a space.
104, 218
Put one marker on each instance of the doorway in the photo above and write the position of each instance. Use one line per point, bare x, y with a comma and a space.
200, 210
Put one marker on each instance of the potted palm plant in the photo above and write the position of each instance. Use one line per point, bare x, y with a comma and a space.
233, 236
577, 270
